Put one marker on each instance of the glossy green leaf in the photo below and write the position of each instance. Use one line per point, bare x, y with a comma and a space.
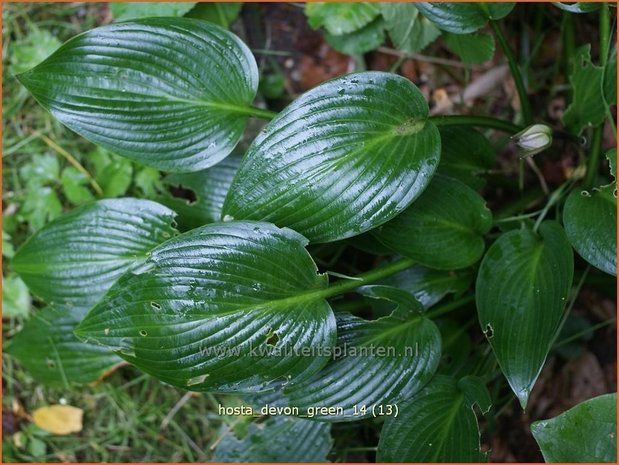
360, 41
584, 433
436, 425
578, 7
51, 353
124, 11
226, 307
408, 30
16, 301
463, 18
466, 154
379, 362
587, 108
207, 190
340, 18
173, 93
522, 289
477, 47
221, 13
75, 259
590, 220
443, 229
430, 286
343, 158
278, 439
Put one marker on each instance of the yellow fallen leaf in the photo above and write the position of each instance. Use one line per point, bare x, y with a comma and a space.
59, 419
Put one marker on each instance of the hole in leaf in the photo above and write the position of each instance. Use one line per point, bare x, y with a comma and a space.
50, 363
489, 331
181, 192
155, 305
143, 333
197, 380
272, 339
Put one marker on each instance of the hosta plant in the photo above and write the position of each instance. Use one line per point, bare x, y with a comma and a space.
225, 294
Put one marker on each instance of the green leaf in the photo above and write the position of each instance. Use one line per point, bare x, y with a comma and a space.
465, 155
463, 18
331, 164
436, 425
443, 229
131, 10
610, 79
278, 439
41, 206
148, 180
74, 185
340, 18
409, 31
75, 259
30, 50
430, 286
584, 433
578, 7
221, 13
7, 247
522, 288
113, 173
208, 189
587, 108
360, 41
51, 353
590, 220
477, 47
16, 300
42, 170
172, 93
226, 307
379, 362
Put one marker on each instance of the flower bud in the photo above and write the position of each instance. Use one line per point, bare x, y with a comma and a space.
533, 139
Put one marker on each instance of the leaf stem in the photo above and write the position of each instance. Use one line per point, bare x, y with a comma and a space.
261, 113
604, 34
345, 285
525, 107
58, 149
596, 140
478, 121
554, 198
450, 306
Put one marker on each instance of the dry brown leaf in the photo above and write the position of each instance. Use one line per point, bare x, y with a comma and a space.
59, 419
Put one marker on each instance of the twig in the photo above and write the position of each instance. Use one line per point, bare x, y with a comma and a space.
168, 418
58, 149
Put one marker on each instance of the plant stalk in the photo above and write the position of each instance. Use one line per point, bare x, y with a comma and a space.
525, 107
261, 113
345, 285
478, 121
596, 140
